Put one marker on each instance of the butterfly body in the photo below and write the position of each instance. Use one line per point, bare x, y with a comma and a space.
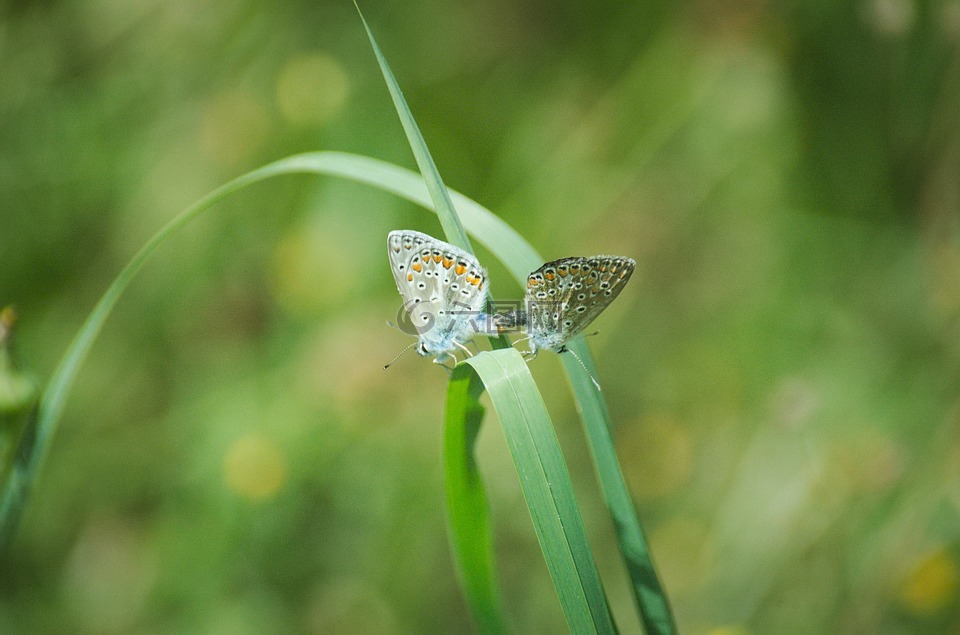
443, 288
564, 296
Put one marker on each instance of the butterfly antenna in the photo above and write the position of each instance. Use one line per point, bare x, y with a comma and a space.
390, 363
586, 370
592, 334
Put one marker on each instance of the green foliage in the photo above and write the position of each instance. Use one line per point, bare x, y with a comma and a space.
781, 372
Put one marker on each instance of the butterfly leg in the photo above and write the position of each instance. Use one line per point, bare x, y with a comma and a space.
440, 359
463, 348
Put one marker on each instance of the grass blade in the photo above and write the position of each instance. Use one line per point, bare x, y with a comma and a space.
35, 441
648, 593
438, 193
546, 486
502, 241
467, 507
520, 259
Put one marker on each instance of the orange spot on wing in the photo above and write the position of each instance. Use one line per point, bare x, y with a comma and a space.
437, 258
460, 269
409, 277
562, 271
549, 276
532, 282
417, 267
447, 263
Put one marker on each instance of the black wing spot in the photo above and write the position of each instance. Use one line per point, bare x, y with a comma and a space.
581, 309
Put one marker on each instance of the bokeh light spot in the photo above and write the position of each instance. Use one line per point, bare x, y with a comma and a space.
931, 585
312, 88
255, 467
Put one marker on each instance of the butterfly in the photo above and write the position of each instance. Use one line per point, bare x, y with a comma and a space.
444, 291
565, 296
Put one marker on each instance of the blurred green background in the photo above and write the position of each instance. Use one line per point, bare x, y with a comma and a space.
783, 371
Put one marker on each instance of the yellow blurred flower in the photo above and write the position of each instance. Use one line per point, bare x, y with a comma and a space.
254, 467
931, 585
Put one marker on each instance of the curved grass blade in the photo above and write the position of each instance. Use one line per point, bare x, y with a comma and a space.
545, 481
34, 443
498, 237
520, 259
468, 513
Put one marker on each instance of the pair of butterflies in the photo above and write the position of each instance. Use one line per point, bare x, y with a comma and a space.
444, 291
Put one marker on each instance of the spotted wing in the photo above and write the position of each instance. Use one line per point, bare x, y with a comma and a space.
566, 295
442, 286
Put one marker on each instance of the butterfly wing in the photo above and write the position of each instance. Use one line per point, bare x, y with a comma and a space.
566, 295
443, 287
